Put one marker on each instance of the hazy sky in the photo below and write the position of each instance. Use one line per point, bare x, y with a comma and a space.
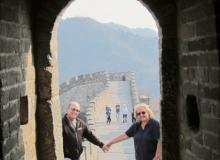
130, 13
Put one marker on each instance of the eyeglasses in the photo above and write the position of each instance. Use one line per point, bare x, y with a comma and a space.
138, 114
76, 110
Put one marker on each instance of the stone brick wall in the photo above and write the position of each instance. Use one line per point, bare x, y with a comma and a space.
199, 79
15, 48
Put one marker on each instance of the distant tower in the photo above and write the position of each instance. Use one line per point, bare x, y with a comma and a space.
144, 99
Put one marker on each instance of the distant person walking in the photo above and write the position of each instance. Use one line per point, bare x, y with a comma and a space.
117, 110
133, 119
108, 114
124, 113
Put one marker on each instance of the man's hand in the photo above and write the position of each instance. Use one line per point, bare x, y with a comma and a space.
106, 147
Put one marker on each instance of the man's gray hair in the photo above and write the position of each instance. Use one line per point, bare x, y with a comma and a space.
73, 103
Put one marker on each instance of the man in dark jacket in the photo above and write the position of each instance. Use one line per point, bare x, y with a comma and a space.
74, 130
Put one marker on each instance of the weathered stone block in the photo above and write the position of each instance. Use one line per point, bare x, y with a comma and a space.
212, 141
4, 131
185, 4
24, 46
11, 78
198, 12
188, 143
9, 144
191, 74
189, 60
206, 27
206, 107
189, 156
14, 93
199, 137
25, 32
4, 97
213, 59
3, 28
205, 44
24, 17
188, 31
202, 60
8, 112
216, 110
202, 75
200, 151
215, 156
9, 14
184, 47
214, 76
22, 90
13, 31
14, 124
9, 45
189, 88
13, 106
7, 157
212, 93
210, 124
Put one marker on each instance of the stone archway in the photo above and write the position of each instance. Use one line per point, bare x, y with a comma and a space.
49, 143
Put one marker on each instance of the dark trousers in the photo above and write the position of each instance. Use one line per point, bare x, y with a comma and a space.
66, 158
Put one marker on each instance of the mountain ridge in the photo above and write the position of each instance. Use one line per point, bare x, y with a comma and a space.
85, 45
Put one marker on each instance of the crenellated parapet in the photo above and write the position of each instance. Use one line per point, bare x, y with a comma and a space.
83, 80
87, 87
120, 76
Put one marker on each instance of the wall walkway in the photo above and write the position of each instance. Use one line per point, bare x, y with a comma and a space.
118, 93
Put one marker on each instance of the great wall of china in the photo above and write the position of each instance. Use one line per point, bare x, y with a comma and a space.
89, 87
93, 92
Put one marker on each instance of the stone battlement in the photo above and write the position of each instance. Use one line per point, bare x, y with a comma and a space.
84, 88
83, 79
96, 77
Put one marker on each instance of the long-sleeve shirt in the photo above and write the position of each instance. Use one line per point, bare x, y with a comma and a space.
73, 137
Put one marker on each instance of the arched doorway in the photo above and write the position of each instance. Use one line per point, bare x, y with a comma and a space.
47, 88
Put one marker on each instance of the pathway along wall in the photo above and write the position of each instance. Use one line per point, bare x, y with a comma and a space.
189, 58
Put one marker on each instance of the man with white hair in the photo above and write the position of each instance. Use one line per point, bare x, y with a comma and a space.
74, 130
